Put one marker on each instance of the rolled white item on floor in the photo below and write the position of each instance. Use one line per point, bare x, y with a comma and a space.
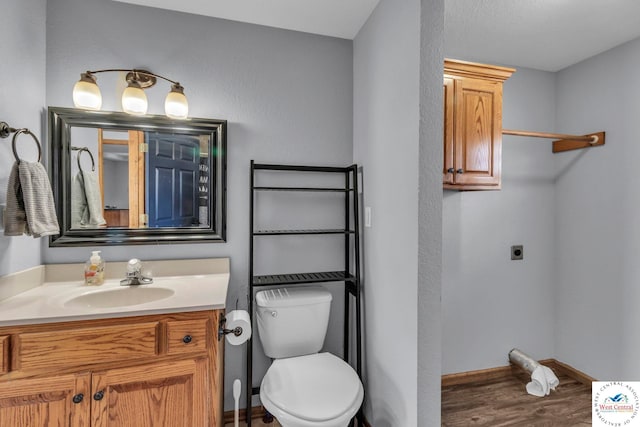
552, 380
542, 378
538, 386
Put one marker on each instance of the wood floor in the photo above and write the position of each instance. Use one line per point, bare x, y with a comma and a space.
505, 402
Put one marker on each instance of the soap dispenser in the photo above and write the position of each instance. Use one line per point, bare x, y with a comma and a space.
94, 270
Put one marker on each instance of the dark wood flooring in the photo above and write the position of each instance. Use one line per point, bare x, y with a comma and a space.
505, 402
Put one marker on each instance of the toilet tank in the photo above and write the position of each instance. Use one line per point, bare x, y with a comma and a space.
292, 321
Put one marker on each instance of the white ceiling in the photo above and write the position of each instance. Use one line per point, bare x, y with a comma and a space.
543, 34
336, 18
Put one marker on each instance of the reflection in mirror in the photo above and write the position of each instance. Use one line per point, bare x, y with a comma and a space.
125, 179
114, 181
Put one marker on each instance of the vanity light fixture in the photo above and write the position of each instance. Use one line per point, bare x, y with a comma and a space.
86, 93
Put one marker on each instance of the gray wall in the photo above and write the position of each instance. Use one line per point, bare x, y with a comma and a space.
491, 304
597, 233
390, 98
575, 295
430, 213
116, 185
287, 97
22, 98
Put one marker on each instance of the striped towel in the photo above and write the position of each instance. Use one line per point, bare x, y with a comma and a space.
86, 201
15, 221
30, 206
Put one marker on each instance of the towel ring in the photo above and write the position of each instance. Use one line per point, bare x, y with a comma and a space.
15, 137
6, 130
80, 151
93, 162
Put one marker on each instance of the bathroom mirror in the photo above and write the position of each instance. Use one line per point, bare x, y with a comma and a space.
119, 179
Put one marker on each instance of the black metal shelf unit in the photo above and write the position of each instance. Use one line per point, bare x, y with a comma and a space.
349, 276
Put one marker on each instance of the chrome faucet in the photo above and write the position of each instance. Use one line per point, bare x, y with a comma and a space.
134, 274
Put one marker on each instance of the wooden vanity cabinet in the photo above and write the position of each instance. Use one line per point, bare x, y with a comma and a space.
473, 125
45, 401
147, 371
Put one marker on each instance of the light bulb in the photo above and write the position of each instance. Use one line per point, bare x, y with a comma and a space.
175, 104
134, 100
86, 93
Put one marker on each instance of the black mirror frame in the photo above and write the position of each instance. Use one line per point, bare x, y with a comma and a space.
60, 122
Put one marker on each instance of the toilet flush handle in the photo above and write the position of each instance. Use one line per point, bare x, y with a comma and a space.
274, 314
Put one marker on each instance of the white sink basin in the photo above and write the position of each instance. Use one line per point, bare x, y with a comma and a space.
119, 297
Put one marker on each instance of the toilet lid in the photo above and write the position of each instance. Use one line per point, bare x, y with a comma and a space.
316, 387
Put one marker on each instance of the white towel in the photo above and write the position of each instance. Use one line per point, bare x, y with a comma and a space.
552, 380
30, 206
538, 385
543, 380
86, 201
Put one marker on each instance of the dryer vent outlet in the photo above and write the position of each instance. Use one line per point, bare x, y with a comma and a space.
517, 253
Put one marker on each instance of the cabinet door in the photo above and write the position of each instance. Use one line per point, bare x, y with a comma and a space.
447, 171
58, 401
478, 132
167, 394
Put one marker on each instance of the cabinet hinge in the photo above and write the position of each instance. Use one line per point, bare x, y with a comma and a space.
144, 147
144, 218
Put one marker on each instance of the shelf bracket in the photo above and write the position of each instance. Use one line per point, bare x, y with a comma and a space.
569, 144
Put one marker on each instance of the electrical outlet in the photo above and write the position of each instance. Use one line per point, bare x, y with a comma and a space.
517, 252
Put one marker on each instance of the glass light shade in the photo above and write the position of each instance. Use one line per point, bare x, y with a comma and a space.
134, 101
86, 94
175, 104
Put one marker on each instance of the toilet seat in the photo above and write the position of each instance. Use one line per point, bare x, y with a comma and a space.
316, 390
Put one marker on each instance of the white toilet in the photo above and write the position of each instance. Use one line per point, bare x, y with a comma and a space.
303, 388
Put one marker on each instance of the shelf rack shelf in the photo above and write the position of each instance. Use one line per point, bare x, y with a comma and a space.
295, 278
307, 232
309, 189
349, 274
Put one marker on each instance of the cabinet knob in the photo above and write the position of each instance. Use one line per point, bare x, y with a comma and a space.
78, 398
187, 339
99, 395
451, 170
459, 171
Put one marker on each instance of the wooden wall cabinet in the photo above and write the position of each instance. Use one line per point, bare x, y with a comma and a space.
117, 217
473, 125
147, 371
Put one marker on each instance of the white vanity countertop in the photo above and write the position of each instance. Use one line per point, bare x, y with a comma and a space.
52, 300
